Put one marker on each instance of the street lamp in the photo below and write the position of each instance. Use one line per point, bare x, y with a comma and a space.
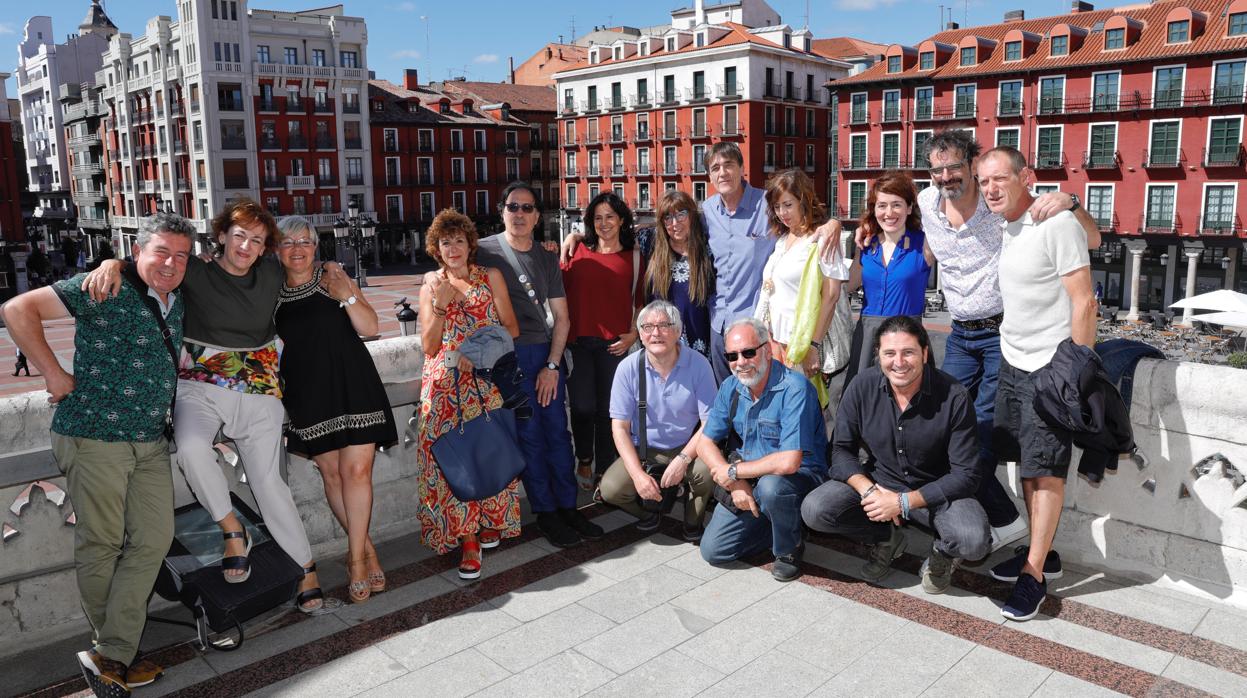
355, 230
1164, 258
1225, 262
406, 318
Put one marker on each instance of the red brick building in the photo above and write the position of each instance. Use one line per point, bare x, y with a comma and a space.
1137, 110
453, 144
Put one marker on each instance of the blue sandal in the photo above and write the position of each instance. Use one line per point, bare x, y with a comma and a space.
237, 562
313, 594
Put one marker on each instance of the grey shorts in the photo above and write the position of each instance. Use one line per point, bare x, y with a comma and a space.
1021, 435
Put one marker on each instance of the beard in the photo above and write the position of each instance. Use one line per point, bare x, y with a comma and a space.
953, 190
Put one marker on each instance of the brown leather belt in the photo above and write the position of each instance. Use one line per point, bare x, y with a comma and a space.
987, 323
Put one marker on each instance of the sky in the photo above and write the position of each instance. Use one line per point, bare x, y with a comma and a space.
474, 38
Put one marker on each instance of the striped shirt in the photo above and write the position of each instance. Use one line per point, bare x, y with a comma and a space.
969, 256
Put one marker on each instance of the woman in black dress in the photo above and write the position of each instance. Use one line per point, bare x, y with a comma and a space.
338, 408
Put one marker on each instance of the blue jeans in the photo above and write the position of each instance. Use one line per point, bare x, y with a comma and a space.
973, 358
731, 536
550, 475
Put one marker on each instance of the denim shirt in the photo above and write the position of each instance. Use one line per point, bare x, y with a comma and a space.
740, 243
785, 418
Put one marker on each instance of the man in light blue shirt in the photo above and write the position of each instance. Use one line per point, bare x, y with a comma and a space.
780, 458
679, 390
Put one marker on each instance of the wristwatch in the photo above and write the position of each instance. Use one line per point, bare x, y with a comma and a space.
552, 366
731, 472
1076, 205
349, 301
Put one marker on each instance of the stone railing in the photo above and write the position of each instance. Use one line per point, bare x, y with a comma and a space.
1176, 515
37, 585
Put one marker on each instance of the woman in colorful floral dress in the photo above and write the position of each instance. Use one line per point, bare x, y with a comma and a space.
455, 301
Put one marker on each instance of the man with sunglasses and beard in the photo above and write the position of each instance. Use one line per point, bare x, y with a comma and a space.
780, 458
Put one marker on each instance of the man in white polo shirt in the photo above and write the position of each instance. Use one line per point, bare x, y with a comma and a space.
1045, 282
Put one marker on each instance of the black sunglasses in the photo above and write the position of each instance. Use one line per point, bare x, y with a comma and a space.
528, 208
746, 353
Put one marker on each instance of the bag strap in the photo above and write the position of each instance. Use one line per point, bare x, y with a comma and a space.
522, 273
641, 404
132, 276
459, 398
636, 274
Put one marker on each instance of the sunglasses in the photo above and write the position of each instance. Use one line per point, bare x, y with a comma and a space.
514, 207
743, 353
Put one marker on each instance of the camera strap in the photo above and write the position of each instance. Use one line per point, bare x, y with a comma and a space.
642, 378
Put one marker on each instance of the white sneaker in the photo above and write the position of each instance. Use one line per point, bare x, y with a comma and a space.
1009, 533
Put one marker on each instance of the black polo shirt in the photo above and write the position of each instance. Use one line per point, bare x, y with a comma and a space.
931, 447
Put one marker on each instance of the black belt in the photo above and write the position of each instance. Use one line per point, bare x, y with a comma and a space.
987, 323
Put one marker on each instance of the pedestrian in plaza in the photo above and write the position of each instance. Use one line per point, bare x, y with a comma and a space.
228, 382
535, 287
737, 227
602, 281
966, 237
339, 412
1045, 281
769, 418
109, 436
797, 329
679, 391
680, 270
917, 424
21, 365
893, 268
456, 300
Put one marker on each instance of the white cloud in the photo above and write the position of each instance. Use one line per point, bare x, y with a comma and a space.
405, 7
486, 58
406, 53
7, 28
857, 5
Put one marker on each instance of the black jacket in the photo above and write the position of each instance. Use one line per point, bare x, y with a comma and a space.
1074, 394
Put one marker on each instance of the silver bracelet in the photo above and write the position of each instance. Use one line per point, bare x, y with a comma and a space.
869, 490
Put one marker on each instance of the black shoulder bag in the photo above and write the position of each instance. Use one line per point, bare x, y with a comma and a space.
655, 470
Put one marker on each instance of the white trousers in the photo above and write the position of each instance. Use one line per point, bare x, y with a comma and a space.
254, 423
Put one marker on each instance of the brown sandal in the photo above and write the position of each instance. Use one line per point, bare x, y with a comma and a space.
376, 579
358, 589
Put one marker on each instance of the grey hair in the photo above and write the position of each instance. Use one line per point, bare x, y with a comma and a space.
759, 328
163, 222
661, 306
291, 225
1016, 159
953, 139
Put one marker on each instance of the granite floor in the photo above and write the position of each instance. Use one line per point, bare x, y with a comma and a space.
644, 615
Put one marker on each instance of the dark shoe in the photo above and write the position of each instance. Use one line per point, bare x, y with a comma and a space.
1024, 602
106, 677
237, 562
692, 532
581, 525
650, 523
786, 567
1009, 570
315, 597
937, 572
143, 672
558, 533
882, 554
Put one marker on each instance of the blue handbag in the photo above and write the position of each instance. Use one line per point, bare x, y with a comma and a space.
479, 457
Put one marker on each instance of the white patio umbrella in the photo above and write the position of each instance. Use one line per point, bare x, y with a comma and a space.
1223, 300
1226, 318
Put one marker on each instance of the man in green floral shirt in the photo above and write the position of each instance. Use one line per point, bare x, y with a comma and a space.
108, 436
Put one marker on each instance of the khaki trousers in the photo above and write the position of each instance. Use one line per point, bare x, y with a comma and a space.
618, 490
122, 493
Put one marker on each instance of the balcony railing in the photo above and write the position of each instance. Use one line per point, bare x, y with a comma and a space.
964, 109
294, 105
593, 139
771, 90
1009, 107
307, 182
326, 180
593, 171
731, 90
569, 172
640, 170
268, 105
325, 142
179, 147
1220, 225
350, 108
1100, 160
694, 94
1046, 106
642, 205
792, 93
270, 143
296, 142
617, 135
1163, 158
233, 143
1227, 94
354, 144
641, 99
923, 111
323, 107
668, 133
858, 164
1048, 161
271, 182
570, 141
859, 116
730, 129
669, 97
699, 131
892, 113
641, 135
1106, 224
670, 169
354, 180
1223, 157
1159, 223
237, 182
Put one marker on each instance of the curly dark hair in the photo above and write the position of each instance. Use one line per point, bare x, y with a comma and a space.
450, 222
799, 184
897, 184
627, 236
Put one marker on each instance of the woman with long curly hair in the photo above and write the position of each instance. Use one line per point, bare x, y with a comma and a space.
680, 270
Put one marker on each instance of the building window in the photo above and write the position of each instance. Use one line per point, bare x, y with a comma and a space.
859, 110
642, 91
1163, 148
809, 157
1103, 146
318, 57
642, 195
892, 105
968, 55
292, 56
1013, 51
262, 55
920, 150
894, 64
1010, 103
924, 98
1104, 88
1060, 45
926, 60
857, 151
1160, 201
1227, 82
1100, 205
1048, 153
1238, 27
1114, 39
768, 156
1179, 31
1224, 142
426, 206
1051, 95
642, 161
349, 59
1008, 138
891, 150
965, 95
1219, 207
790, 155
857, 199
1168, 89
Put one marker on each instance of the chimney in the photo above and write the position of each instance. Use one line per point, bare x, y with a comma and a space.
411, 79
1015, 16
699, 13
549, 53
511, 68
1080, 6
951, 25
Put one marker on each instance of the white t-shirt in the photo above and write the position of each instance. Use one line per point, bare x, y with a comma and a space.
1038, 311
783, 270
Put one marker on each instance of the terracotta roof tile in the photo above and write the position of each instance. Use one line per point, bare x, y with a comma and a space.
520, 97
846, 47
1151, 43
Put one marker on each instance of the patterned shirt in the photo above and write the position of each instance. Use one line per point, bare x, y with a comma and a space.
969, 256
123, 374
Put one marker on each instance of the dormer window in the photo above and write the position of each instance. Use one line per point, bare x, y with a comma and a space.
1114, 39
968, 55
1013, 51
700, 39
926, 60
807, 44
1060, 45
642, 48
787, 40
444, 106
618, 53
1238, 24
1179, 32
894, 64
671, 43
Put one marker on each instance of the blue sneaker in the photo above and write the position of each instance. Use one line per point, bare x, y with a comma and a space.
1023, 603
1009, 570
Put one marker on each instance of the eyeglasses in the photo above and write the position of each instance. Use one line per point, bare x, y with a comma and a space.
743, 353
651, 327
950, 169
302, 242
515, 208
677, 216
